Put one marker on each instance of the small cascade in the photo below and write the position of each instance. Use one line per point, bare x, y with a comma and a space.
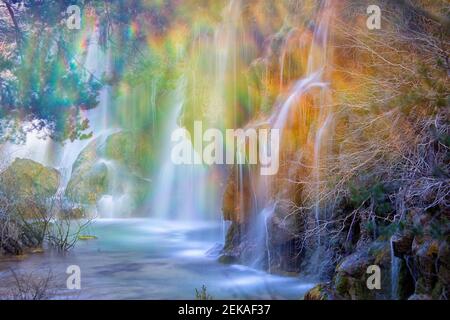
97, 63
266, 214
317, 150
181, 191
280, 117
62, 157
395, 271
314, 83
117, 202
225, 44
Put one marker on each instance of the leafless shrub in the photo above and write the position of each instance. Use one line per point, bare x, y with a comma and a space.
28, 223
9, 231
64, 231
30, 286
391, 126
23, 224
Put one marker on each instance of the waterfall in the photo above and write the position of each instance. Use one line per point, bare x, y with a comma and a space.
316, 173
44, 150
97, 63
181, 192
314, 78
189, 191
224, 44
266, 214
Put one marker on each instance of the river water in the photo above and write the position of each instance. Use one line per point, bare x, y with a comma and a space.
151, 259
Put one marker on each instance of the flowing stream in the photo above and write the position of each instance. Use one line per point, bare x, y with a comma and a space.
152, 259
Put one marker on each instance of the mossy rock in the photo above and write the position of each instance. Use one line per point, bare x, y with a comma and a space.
87, 237
98, 164
228, 259
29, 179
355, 265
88, 186
321, 291
28, 185
129, 149
341, 284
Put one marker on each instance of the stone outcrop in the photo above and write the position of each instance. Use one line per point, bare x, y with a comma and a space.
241, 245
423, 254
111, 166
26, 178
28, 185
89, 179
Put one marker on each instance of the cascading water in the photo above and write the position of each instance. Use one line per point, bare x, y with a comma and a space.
181, 191
314, 78
225, 43
395, 271
94, 66
181, 194
317, 150
188, 192
97, 63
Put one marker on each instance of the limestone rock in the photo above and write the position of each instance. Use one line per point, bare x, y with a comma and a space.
110, 166
355, 265
28, 179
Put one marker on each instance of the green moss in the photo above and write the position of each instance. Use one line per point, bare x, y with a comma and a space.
319, 292
87, 237
227, 259
341, 284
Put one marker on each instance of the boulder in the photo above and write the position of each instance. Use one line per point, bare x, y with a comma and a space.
350, 280
131, 150
88, 184
29, 179
112, 166
28, 185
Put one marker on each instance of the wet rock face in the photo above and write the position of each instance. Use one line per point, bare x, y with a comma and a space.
89, 180
243, 244
401, 243
423, 251
235, 205
283, 226
430, 264
355, 265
